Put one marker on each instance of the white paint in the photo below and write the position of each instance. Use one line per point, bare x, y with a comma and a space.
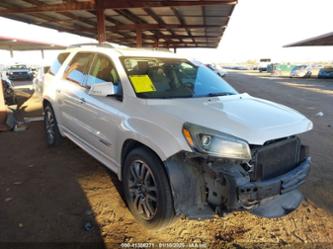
158, 123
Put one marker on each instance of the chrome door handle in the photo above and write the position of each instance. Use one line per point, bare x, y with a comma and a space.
82, 100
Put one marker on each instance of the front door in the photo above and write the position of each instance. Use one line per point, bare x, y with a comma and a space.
106, 111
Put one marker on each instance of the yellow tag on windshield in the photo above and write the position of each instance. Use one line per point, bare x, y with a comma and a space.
142, 84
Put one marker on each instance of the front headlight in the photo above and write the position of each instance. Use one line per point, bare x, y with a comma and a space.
215, 143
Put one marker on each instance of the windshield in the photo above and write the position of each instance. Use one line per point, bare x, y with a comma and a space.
173, 78
300, 67
15, 67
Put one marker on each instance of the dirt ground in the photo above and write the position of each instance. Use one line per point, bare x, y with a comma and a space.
63, 195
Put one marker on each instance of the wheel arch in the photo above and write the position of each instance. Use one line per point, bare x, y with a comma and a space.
46, 102
129, 145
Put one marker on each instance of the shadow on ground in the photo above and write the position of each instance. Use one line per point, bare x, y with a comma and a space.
42, 200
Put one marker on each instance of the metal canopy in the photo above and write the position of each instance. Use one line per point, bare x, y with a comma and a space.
322, 40
12, 43
148, 23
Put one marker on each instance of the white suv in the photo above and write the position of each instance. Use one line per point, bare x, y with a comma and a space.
179, 137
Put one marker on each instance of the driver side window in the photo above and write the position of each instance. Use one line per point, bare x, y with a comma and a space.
78, 67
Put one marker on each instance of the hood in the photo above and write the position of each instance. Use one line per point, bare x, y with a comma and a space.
252, 119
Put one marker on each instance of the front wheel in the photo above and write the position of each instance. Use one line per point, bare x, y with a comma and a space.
147, 190
53, 136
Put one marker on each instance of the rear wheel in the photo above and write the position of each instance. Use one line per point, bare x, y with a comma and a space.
147, 189
53, 136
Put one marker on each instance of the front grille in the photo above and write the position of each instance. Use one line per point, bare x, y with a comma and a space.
277, 158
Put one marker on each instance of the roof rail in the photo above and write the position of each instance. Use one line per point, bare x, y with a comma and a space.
103, 44
148, 48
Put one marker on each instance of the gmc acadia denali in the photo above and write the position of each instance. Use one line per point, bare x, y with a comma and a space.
179, 137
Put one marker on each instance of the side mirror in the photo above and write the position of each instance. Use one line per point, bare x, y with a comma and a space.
103, 89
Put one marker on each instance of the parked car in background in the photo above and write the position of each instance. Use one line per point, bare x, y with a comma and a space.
301, 71
217, 69
236, 67
39, 79
8, 90
315, 68
270, 68
19, 72
263, 64
179, 137
326, 73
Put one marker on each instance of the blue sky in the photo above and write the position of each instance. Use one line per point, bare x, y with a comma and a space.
258, 28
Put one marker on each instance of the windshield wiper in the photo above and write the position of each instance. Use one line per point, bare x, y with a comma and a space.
167, 97
219, 94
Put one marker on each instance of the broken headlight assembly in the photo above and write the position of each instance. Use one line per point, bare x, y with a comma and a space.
215, 143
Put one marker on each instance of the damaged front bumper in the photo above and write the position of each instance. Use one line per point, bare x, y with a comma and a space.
275, 197
202, 188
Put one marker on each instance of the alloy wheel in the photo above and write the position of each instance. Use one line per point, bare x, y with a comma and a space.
143, 190
50, 126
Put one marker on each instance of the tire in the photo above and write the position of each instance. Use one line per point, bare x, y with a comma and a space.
147, 190
52, 134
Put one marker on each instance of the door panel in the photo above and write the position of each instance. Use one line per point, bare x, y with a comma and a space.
73, 107
71, 94
106, 119
104, 126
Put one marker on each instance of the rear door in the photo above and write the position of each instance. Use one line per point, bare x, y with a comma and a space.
51, 83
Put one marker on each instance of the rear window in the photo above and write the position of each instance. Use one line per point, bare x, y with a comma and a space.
328, 69
58, 63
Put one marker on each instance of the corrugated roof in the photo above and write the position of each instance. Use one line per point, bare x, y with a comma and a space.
14, 43
168, 23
